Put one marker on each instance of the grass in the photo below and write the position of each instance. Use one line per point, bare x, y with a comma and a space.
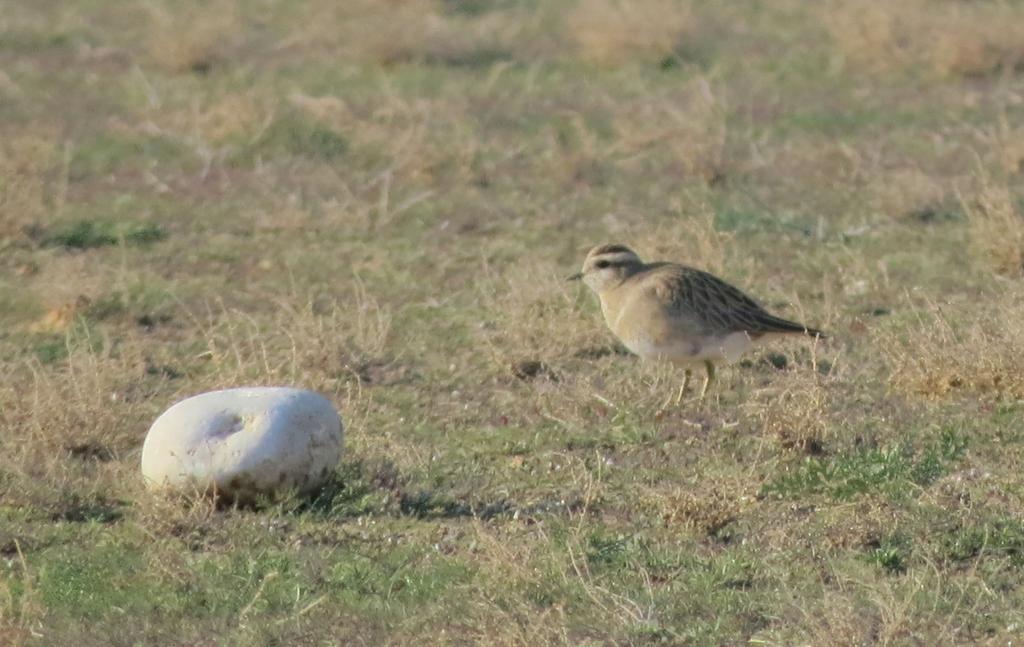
893, 469
86, 234
295, 134
380, 201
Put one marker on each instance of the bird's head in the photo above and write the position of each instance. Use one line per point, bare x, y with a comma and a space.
606, 266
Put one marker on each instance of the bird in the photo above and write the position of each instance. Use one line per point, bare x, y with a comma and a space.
676, 313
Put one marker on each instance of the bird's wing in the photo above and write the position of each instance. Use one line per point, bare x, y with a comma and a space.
716, 306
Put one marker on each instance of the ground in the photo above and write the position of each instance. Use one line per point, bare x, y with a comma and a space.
380, 200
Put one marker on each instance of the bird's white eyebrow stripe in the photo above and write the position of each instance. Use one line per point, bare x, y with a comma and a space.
618, 258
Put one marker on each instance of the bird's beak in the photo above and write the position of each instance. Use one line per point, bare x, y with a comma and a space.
575, 277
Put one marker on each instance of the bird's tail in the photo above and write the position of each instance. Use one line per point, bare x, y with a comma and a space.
771, 324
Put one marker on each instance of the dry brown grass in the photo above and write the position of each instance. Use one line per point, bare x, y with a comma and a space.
516, 307
704, 511
309, 338
687, 127
112, 397
428, 148
693, 239
520, 560
537, 295
32, 184
957, 350
1010, 149
907, 192
799, 417
996, 228
60, 318
232, 115
194, 37
405, 31
833, 619
948, 37
612, 32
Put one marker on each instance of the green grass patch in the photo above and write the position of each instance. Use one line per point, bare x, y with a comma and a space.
624, 428
999, 537
700, 598
477, 7
34, 41
377, 579
106, 153
98, 583
737, 219
353, 491
607, 550
16, 303
51, 351
53, 348
849, 475
88, 234
892, 554
293, 134
149, 305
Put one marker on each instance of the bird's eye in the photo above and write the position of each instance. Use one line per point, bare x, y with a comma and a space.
601, 264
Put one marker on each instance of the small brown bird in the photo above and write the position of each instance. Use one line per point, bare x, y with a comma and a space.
676, 313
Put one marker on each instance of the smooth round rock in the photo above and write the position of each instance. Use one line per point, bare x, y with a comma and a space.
241, 443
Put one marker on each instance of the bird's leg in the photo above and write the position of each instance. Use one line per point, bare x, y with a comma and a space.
679, 396
707, 378
682, 387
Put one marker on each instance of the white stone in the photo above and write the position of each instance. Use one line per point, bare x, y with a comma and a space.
240, 443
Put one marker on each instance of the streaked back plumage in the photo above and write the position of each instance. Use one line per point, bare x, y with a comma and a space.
718, 306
